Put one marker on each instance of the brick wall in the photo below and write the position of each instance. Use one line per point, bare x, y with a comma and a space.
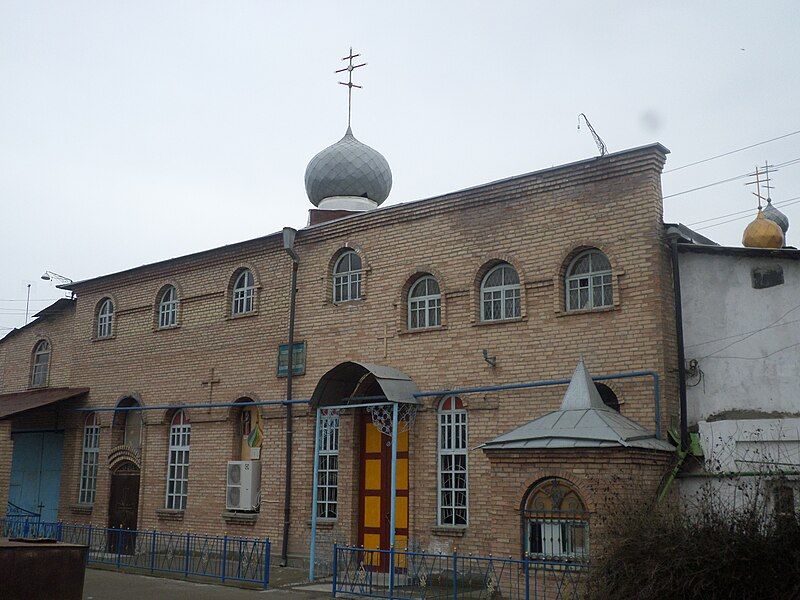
536, 222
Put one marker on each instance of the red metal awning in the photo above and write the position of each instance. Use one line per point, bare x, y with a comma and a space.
19, 402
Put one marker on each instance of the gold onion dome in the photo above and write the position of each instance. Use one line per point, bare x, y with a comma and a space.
762, 233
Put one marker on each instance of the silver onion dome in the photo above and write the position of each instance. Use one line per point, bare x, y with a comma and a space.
348, 169
776, 216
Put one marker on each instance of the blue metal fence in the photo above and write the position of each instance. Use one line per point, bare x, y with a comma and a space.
423, 575
226, 558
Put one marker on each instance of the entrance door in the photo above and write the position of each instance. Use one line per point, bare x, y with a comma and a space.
376, 493
36, 474
123, 509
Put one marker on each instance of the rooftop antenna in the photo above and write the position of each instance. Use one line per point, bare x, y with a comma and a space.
601, 145
349, 83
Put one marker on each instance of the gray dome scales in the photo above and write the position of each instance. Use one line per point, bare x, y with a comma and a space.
348, 175
776, 216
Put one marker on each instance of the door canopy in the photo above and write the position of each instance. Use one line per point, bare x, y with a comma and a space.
347, 379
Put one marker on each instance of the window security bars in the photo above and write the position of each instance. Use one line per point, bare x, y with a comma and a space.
452, 463
105, 319
588, 282
424, 304
328, 471
347, 278
432, 576
224, 558
178, 471
168, 308
41, 364
500, 294
244, 291
557, 539
89, 461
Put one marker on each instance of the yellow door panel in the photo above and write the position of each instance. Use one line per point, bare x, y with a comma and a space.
400, 543
372, 540
372, 511
372, 474
402, 474
401, 516
373, 441
402, 441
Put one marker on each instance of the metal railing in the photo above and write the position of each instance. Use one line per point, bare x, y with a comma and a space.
226, 558
424, 575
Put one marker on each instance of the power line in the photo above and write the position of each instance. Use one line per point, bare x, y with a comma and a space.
784, 204
741, 212
729, 179
752, 333
705, 160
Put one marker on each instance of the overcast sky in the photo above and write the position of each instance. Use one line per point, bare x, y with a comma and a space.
138, 131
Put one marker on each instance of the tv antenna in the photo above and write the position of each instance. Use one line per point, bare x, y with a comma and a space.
601, 145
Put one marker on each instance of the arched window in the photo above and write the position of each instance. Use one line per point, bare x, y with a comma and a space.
588, 281
556, 522
424, 304
607, 394
328, 466
168, 307
244, 291
347, 277
89, 459
105, 319
178, 461
500, 294
41, 364
453, 489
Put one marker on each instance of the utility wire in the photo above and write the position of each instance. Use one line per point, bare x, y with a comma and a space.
741, 212
757, 357
752, 333
739, 218
705, 160
736, 335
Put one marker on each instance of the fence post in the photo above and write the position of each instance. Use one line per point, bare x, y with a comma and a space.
224, 557
153, 552
391, 571
455, 574
267, 556
527, 564
58, 531
25, 528
335, 567
119, 547
89, 543
186, 560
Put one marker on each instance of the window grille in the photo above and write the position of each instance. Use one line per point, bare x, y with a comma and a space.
453, 490
500, 294
41, 364
89, 461
556, 523
178, 469
105, 319
588, 281
347, 277
244, 291
424, 304
168, 308
328, 466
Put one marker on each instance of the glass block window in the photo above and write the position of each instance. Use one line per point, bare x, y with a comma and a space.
424, 304
588, 281
89, 460
347, 277
500, 294
41, 364
168, 308
178, 462
244, 291
105, 319
556, 523
452, 458
328, 467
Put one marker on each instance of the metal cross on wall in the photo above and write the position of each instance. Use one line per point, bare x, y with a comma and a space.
385, 338
349, 83
211, 382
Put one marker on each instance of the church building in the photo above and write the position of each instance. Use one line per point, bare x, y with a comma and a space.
476, 319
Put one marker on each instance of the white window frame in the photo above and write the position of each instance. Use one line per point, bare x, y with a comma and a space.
40, 371
328, 466
498, 296
427, 307
347, 283
89, 459
596, 280
168, 308
178, 462
244, 292
452, 444
105, 319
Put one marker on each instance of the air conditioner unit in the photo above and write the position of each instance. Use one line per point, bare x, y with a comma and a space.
243, 491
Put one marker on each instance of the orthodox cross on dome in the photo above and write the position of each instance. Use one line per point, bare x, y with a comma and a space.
349, 83
212, 380
759, 182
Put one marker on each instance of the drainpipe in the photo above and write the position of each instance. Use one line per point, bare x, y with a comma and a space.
676, 284
288, 245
